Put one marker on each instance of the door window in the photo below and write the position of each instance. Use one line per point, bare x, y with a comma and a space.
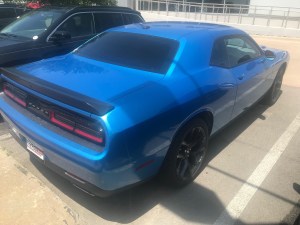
233, 51
78, 25
240, 50
104, 21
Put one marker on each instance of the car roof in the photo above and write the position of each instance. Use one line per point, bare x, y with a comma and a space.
89, 8
178, 29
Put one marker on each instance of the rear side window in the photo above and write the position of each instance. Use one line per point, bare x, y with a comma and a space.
240, 50
131, 18
104, 21
136, 51
7, 13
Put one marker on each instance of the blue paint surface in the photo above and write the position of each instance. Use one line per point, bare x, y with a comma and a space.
149, 108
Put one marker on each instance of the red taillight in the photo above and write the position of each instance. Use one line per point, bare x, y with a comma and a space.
53, 119
79, 129
14, 97
88, 136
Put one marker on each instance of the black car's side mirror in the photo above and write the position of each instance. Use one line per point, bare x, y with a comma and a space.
270, 55
58, 36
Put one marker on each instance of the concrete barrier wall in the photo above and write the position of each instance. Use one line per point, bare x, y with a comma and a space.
274, 28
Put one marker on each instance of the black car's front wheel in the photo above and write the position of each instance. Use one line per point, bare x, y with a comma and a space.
186, 155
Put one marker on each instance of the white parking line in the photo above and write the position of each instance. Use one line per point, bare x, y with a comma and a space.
5, 136
237, 205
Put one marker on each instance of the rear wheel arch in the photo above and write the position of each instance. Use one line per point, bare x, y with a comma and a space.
205, 115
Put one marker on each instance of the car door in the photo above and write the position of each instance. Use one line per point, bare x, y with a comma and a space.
246, 62
222, 83
79, 26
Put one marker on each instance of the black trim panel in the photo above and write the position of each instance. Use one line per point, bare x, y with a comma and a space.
56, 92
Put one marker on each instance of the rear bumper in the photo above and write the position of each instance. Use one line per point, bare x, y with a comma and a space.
84, 186
85, 168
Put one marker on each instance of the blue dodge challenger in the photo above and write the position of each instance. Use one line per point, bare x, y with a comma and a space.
137, 101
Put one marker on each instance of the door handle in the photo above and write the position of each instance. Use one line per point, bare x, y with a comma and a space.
241, 77
226, 85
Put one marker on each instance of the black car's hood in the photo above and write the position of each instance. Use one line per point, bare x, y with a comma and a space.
11, 44
9, 41
13, 49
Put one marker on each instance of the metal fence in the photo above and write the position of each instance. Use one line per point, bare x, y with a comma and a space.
226, 13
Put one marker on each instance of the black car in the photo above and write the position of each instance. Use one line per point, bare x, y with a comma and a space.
52, 31
9, 12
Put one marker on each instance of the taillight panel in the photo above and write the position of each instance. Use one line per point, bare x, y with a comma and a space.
15, 94
85, 128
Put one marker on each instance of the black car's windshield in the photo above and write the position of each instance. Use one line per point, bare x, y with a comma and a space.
144, 52
32, 24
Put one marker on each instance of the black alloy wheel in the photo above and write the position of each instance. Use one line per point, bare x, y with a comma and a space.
191, 153
186, 155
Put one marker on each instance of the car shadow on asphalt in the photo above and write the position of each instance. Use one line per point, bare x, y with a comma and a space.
230, 132
193, 203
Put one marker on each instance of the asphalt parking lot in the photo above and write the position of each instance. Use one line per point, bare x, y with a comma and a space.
252, 171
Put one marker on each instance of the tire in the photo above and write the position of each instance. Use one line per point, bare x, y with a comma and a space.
186, 155
275, 91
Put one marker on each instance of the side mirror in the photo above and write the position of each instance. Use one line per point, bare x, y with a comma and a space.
58, 36
270, 55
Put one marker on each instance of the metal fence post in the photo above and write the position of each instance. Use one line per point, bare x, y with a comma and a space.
254, 16
287, 17
158, 6
228, 16
240, 16
269, 17
167, 7
283, 19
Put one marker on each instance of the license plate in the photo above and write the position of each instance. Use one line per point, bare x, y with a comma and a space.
35, 150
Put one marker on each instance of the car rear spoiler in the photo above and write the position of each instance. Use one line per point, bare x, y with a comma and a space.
56, 92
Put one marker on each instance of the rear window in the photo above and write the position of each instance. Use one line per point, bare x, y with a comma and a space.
136, 51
